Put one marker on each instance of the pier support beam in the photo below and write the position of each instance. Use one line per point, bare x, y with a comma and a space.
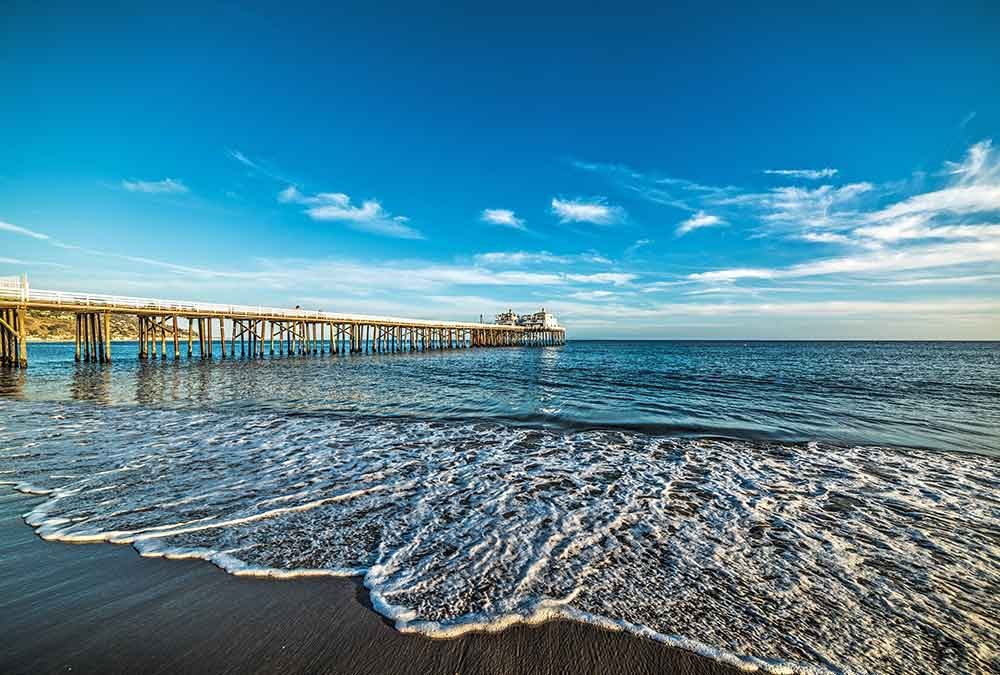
92, 337
13, 338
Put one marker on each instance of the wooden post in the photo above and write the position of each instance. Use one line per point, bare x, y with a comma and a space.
107, 337
86, 338
22, 339
7, 338
103, 331
222, 336
163, 338
177, 339
210, 343
98, 340
76, 340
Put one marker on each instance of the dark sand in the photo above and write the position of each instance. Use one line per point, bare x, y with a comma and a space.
101, 608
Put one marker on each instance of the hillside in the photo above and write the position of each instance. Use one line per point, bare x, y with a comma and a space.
50, 325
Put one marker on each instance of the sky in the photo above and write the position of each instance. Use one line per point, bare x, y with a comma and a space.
640, 170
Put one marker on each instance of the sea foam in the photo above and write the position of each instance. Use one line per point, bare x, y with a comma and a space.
774, 557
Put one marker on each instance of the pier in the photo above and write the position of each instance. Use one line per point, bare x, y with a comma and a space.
170, 329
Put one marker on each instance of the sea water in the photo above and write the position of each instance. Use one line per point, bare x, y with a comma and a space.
783, 507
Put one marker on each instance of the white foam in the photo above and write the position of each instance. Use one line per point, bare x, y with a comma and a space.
740, 552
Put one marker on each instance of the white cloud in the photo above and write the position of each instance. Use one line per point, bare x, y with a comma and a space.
587, 314
822, 207
808, 174
698, 220
916, 227
336, 206
503, 217
596, 211
614, 278
975, 188
662, 286
16, 229
592, 295
658, 189
241, 158
960, 200
826, 238
946, 281
257, 166
30, 263
976, 164
538, 257
165, 186
924, 257
639, 243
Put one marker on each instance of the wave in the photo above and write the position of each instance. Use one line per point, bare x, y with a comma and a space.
773, 556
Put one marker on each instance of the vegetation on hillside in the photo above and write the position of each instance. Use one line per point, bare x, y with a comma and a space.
54, 325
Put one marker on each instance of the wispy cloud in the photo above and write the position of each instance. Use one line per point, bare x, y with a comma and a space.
656, 188
31, 263
636, 245
923, 231
826, 238
594, 296
946, 281
538, 257
258, 166
242, 159
504, 217
337, 206
16, 229
924, 257
166, 186
596, 211
808, 174
613, 278
697, 221
831, 308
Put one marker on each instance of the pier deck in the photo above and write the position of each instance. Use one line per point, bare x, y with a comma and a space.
254, 331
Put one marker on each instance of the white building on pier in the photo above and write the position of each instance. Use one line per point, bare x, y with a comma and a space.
540, 319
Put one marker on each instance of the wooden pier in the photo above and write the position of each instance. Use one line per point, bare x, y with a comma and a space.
168, 329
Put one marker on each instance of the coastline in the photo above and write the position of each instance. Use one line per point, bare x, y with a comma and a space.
103, 608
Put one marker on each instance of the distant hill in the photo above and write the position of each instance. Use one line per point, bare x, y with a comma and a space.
53, 326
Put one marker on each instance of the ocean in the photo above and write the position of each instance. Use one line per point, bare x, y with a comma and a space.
781, 506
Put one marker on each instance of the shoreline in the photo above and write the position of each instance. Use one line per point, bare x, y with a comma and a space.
103, 608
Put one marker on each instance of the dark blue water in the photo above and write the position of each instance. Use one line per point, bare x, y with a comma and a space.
799, 506
939, 395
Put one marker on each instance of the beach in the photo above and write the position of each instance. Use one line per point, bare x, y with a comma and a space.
101, 608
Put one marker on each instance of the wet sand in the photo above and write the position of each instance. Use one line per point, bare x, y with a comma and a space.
101, 608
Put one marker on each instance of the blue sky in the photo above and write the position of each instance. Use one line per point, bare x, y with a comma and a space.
656, 172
